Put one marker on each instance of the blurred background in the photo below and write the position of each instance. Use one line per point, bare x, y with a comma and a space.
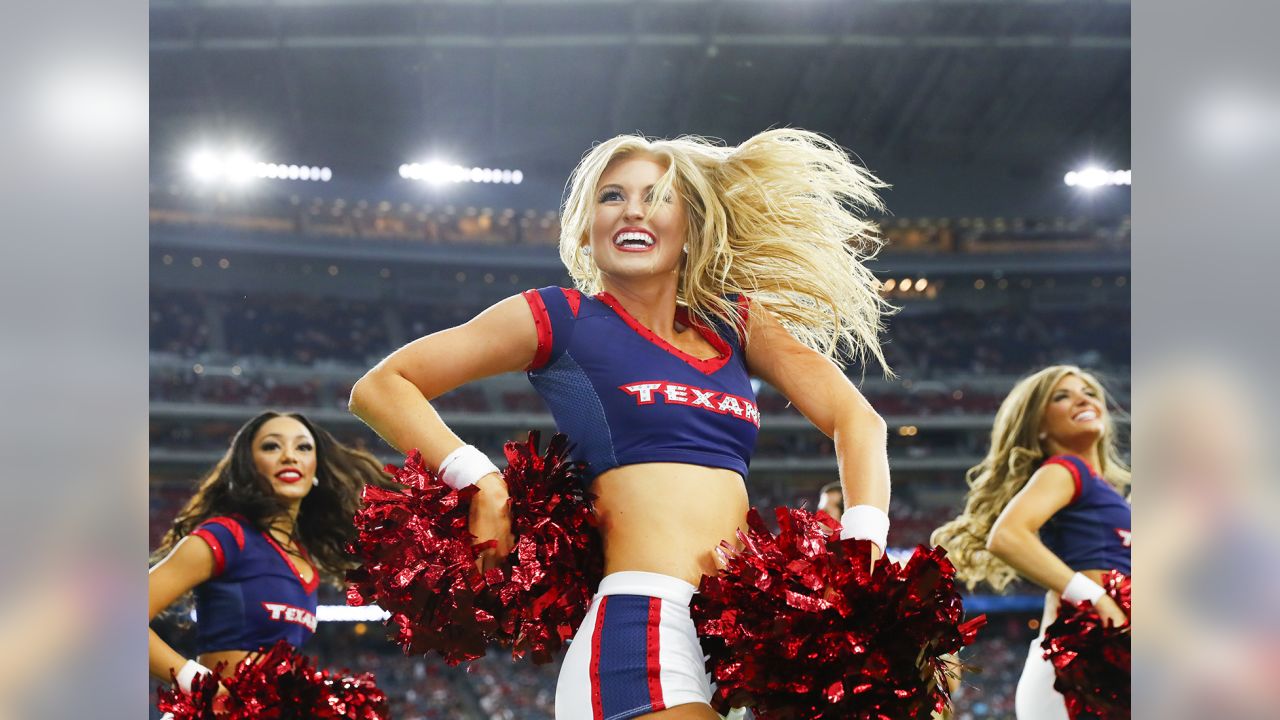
333, 178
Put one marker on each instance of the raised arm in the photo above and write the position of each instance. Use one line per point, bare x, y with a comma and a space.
822, 393
1015, 538
393, 399
190, 563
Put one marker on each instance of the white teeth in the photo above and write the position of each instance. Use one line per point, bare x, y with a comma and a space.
632, 238
1086, 415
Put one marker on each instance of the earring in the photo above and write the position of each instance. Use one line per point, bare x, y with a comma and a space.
315, 481
1044, 436
586, 251
686, 248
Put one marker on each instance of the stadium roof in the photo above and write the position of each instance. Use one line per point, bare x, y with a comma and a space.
947, 100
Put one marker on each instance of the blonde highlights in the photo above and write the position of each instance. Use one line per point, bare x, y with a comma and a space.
779, 218
1016, 452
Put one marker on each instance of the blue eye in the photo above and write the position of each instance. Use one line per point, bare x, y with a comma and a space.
610, 196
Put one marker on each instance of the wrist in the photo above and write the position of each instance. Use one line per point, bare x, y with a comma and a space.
492, 485
465, 466
188, 673
865, 522
1081, 589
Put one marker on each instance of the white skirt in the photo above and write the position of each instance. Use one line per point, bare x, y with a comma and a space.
1036, 699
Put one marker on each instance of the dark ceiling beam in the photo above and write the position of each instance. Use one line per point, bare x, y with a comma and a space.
496, 78
910, 114
689, 91
316, 4
815, 78
359, 42
191, 19
290, 81
626, 74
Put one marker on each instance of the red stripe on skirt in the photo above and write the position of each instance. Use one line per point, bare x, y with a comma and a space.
597, 703
653, 631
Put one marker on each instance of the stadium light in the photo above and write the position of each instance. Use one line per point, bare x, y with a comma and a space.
1093, 177
439, 172
239, 168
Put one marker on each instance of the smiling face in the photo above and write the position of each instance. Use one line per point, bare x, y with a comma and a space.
624, 242
285, 454
1076, 415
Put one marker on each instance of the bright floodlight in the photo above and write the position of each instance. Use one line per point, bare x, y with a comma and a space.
205, 166
438, 172
239, 168
1094, 177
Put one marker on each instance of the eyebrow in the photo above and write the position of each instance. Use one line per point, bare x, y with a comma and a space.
616, 186
281, 437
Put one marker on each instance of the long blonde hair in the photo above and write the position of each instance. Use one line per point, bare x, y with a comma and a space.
778, 218
1016, 452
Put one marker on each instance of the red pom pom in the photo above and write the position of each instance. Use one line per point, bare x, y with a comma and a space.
277, 684
798, 625
1091, 660
418, 564
558, 559
419, 561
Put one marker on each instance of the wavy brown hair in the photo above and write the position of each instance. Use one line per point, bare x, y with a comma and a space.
324, 527
1016, 452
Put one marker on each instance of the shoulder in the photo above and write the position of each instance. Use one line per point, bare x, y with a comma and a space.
1070, 467
1058, 477
225, 537
224, 526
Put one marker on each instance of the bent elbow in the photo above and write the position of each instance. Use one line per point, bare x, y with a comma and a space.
358, 402
868, 423
997, 542
876, 423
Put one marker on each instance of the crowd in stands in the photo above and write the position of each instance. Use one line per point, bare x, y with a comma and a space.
306, 331
996, 659
1004, 340
180, 208
179, 323
338, 218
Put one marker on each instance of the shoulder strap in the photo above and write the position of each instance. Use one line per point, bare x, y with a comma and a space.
554, 311
1078, 468
225, 536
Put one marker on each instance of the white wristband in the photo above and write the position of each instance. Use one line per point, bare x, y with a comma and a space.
1080, 589
865, 522
465, 466
188, 674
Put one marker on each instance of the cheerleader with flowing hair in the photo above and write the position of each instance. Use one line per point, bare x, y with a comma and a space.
696, 265
780, 218
266, 522
1046, 504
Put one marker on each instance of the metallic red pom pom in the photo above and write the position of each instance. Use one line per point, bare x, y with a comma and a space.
1091, 660
800, 625
278, 684
418, 561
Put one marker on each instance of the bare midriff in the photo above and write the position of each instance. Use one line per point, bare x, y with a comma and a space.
668, 518
230, 657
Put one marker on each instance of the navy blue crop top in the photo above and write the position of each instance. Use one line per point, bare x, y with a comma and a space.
1094, 531
624, 396
256, 595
